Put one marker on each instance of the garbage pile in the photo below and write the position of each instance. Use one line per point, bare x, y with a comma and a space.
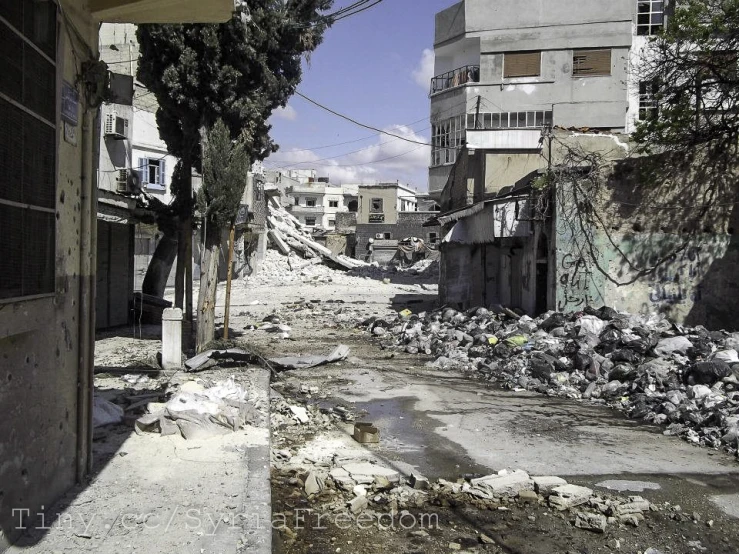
684, 378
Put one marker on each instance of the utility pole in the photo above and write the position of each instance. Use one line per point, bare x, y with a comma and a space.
477, 112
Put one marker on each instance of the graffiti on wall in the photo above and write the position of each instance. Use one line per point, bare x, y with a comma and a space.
676, 281
575, 280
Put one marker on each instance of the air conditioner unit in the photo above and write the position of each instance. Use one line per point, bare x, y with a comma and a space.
121, 183
380, 236
116, 127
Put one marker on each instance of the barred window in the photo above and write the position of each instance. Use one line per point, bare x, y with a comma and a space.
650, 17
28, 100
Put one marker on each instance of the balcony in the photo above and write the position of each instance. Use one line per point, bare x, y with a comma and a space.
297, 208
455, 78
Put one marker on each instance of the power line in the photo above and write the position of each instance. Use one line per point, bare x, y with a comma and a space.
449, 109
357, 122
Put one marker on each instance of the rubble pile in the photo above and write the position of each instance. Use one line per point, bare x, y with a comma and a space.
684, 378
288, 235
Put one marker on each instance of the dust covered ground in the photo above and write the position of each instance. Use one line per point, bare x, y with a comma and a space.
450, 427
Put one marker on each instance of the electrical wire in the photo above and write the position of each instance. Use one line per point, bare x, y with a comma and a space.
380, 131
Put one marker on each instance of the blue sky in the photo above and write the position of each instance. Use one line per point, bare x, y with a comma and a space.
375, 67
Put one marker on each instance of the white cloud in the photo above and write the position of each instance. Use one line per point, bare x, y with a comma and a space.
288, 112
389, 159
425, 69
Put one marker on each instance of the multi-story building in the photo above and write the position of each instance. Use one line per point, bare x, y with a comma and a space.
510, 76
316, 202
505, 69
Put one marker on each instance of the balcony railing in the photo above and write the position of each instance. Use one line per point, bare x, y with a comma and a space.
306, 209
455, 78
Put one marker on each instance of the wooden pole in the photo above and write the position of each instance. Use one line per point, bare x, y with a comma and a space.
231, 239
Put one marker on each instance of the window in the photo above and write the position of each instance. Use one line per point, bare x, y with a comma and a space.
310, 221
153, 173
28, 101
433, 238
447, 137
650, 17
310, 202
333, 203
376, 205
521, 64
332, 223
532, 120
647, 100
586, 63
387, 236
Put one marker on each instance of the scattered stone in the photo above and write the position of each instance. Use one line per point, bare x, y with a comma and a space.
358, 504
418, 481
505, 483
591, 522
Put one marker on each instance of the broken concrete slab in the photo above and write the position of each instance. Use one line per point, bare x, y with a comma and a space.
568, 496
300, 413
624, 485
358, 504
365, 472
543, 484
505, 483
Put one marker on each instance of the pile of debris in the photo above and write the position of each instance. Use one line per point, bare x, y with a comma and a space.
288, 235
685, 378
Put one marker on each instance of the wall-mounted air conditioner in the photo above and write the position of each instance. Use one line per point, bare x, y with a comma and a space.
115, 127
121, 182
380, 236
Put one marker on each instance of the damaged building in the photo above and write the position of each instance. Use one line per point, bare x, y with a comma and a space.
516, 93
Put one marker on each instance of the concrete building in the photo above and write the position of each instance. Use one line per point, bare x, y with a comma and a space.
48, 236
505, 69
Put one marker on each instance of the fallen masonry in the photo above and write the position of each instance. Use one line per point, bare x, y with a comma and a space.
684, 378
332, 483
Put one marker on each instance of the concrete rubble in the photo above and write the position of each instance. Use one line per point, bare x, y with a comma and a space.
288, 235
364, 484
686, 379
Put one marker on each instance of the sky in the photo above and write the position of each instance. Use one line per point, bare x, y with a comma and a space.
374, 67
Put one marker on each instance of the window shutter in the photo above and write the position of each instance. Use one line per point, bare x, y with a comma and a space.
162, 173
143, 171
522, 64
591, 62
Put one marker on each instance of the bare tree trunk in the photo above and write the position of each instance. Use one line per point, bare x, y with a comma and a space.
160, 266
227, 309
208, 286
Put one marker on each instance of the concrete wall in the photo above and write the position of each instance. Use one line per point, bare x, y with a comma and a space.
44, 394
664, 242
389, 198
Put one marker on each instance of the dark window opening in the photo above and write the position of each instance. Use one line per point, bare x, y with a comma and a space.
650, 17
376, 205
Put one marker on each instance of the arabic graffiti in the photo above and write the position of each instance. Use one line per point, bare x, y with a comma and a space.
676, 280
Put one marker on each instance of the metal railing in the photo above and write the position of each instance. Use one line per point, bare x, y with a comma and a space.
455, 78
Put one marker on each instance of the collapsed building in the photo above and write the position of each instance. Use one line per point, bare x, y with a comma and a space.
544, 203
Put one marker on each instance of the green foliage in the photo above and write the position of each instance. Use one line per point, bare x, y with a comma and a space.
225, 165
694, 64
238, 71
